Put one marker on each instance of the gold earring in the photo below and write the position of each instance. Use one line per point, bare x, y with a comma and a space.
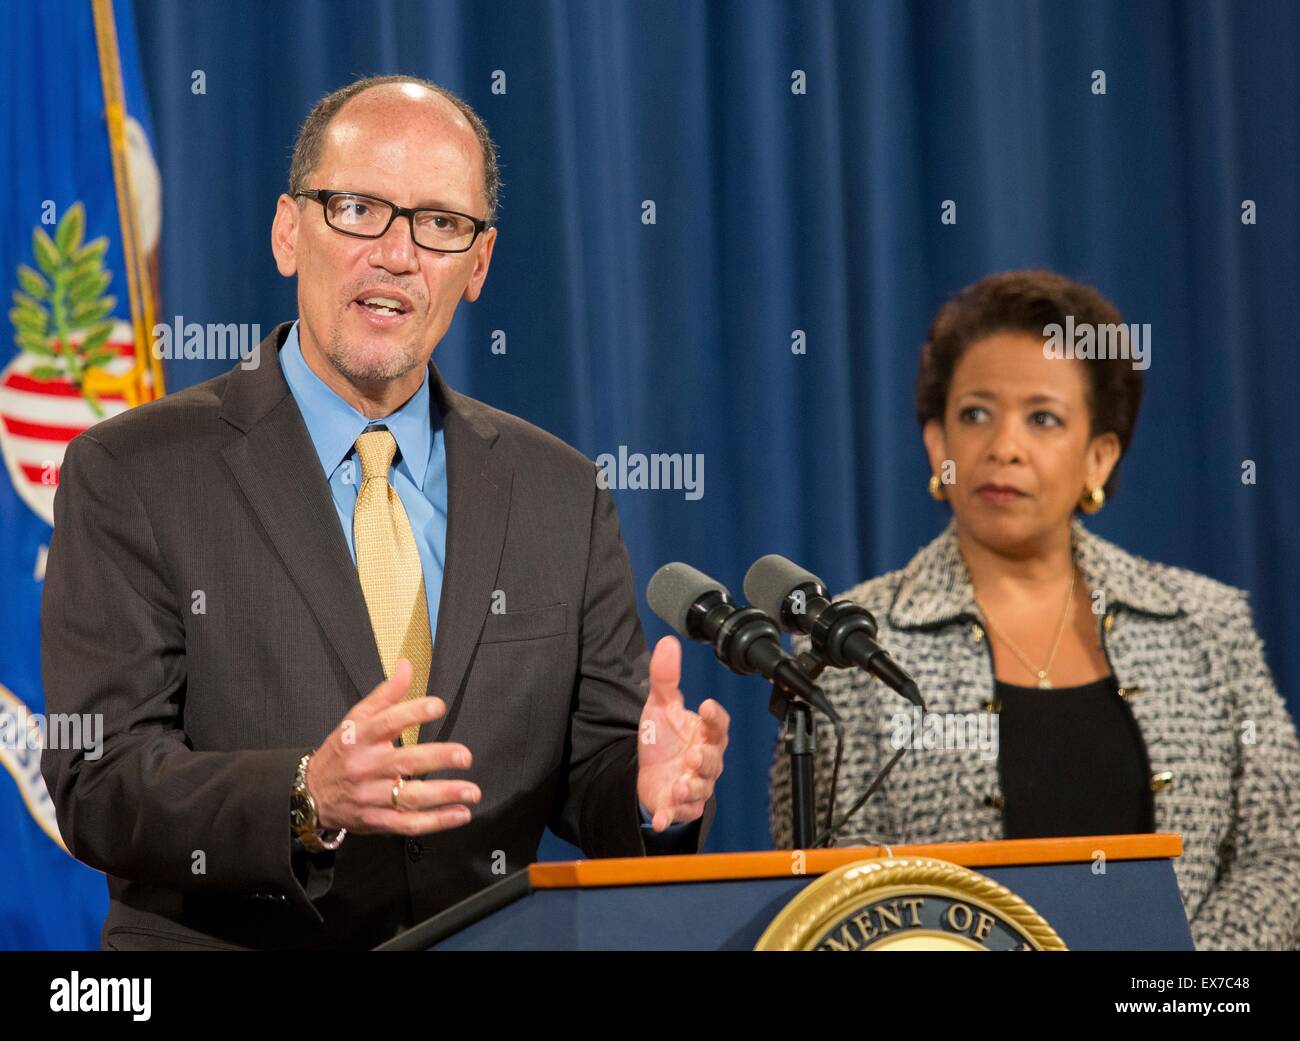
936, 488
1091, 502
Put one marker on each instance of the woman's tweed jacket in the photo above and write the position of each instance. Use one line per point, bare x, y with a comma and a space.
1184, 651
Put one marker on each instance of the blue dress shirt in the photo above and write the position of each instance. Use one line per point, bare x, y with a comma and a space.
418, 475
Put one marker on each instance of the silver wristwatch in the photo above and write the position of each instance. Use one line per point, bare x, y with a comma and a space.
302, 816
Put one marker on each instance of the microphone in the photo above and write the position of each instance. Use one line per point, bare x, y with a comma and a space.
842, 633
745, 639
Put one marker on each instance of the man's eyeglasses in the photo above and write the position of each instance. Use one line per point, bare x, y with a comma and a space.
366, 217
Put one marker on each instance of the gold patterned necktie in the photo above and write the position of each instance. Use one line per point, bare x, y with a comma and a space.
388, 564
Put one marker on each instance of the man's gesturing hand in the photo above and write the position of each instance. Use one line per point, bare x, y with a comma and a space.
680, 752
351, 776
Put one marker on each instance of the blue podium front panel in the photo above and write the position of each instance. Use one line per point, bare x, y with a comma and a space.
1133, 906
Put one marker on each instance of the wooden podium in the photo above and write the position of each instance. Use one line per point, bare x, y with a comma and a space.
1111, 892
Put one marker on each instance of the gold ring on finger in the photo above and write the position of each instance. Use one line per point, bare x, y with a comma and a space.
397, 788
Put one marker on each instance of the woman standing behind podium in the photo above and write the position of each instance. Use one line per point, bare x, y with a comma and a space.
1128, 696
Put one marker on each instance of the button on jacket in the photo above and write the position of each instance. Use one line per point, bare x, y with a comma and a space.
1224, 757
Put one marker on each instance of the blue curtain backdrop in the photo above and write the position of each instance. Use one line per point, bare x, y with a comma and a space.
820, 212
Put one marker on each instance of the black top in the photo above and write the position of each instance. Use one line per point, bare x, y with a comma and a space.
1072, 762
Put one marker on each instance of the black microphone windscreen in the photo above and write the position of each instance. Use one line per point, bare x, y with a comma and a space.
771, 579
674, 588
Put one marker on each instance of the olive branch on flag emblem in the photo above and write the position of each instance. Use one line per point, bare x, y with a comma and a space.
66, 295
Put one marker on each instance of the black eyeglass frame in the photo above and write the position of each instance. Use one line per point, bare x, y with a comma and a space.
323, 196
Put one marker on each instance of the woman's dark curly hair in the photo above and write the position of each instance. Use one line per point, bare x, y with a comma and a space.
1027, 301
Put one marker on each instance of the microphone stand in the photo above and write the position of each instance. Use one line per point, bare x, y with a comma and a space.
800, 739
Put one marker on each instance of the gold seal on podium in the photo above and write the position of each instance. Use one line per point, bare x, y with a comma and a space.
907, 903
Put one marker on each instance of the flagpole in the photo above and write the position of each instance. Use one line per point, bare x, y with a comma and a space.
145, 381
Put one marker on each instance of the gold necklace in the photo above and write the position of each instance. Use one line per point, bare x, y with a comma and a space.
1043, 681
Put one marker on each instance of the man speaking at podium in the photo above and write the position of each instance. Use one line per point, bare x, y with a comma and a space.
257, 581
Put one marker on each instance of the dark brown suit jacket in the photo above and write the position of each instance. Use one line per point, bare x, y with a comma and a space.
199, 594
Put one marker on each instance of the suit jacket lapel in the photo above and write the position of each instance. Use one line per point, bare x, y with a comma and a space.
479, 481
280, 474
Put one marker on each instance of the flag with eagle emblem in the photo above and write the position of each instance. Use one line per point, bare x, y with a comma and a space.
78, 253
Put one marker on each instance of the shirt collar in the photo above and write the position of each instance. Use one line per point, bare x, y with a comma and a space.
334, 425
936, 588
